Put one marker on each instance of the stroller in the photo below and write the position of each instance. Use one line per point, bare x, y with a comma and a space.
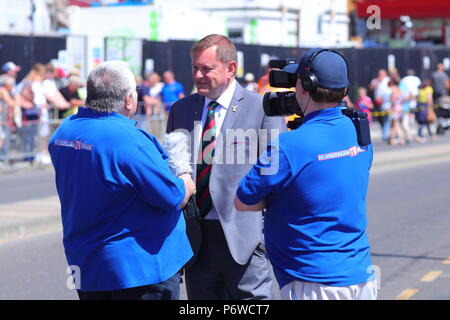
443, 114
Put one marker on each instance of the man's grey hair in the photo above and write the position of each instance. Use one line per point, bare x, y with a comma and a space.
108, 85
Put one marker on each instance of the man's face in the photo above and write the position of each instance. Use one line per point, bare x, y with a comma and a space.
211, 77
12, 73
168, 77
152, 81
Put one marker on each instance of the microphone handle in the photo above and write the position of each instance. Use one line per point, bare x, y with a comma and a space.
191, 210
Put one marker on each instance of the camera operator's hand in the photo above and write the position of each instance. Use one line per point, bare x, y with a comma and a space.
189, 186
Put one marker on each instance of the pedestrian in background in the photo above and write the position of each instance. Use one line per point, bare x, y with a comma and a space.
9, 106
152, 95
409, 86
440, 82
250, 83
33, 107
71, 93
382, 95
171, 92
54, 97
364, 103
141, 115
229, 261
120, 203
11, 69
424, 108
9, 110
395, 134
55, 103
315, 221
380, 80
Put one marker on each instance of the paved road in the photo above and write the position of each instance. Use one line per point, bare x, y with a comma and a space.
26, 185
409, 225
34, 269
408, 207
408, 229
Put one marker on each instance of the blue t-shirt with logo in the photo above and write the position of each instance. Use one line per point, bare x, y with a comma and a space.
119, 203
170, 93
315, 180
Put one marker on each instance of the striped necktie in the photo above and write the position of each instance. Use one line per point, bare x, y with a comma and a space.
204, 163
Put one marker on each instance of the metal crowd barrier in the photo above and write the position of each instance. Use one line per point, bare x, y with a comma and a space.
26, 144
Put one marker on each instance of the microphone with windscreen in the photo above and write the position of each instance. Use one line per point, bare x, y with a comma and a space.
176, 144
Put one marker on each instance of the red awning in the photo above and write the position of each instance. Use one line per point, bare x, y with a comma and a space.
415, 9
82, 3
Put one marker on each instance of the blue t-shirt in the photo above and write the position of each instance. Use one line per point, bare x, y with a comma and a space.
170, 93
119, 202
315, 182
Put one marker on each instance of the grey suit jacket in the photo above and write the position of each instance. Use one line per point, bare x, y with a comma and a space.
244, 134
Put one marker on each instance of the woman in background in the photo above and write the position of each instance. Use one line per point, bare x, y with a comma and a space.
424, 107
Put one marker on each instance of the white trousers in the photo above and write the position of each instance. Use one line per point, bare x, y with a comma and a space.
301, 290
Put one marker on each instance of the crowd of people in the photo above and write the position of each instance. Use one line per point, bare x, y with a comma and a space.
27, 107
32, 108
404, 106
158, 96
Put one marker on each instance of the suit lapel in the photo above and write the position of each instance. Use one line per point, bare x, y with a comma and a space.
234, 109
198, 108
195, 117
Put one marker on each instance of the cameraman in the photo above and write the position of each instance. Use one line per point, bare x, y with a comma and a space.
316, 210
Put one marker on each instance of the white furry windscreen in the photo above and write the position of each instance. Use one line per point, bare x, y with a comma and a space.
176, 145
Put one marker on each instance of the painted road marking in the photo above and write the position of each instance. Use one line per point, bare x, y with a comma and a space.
406, 294
431, 276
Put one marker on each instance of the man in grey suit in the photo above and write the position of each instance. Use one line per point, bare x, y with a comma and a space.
228, 128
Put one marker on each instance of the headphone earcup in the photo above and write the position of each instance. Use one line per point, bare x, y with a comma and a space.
309, 82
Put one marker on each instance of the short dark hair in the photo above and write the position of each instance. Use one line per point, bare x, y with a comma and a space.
322, 95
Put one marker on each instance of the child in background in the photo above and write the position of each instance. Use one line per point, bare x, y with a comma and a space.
364, 103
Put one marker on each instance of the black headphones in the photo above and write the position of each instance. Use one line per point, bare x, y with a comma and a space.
309, 80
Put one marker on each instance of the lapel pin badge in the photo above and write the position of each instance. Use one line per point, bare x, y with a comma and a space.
234, 108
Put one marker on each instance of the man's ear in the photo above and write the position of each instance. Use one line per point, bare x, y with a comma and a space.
129, 102
128, 109
231, 68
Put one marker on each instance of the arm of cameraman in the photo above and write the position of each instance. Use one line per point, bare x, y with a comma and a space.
270, 174
239, 205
